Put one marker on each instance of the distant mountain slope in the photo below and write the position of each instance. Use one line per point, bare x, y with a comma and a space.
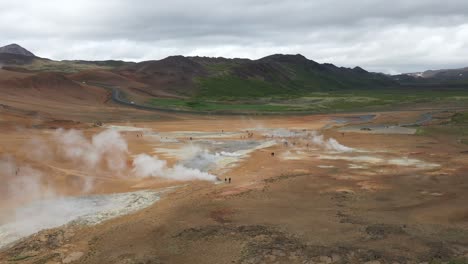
275, 83
435, 77
288, 74
207, 77
16, 49
175, 74
15, 59
272, 75
48, 85
444, 73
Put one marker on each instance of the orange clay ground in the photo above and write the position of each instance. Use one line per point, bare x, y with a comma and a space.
393, 198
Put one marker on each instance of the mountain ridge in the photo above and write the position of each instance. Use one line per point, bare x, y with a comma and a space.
216, 77
453, 77
274, 74
16, 49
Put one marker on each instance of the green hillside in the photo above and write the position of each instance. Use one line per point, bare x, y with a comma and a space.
281, 75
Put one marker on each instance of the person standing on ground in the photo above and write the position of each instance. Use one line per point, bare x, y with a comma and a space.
229, 180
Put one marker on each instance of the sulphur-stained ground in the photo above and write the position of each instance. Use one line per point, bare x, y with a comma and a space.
348, 188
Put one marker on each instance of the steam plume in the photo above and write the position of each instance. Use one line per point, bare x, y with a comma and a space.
107, 148
330, 144
148, 166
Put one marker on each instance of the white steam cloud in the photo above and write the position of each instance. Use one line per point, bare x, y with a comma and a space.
104, 152
196, 157
33, 200
107, 149
331, 144
37, 149
22, 183
148, 166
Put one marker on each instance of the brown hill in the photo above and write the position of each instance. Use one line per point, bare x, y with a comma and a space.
173, 74
48, 85
134, 90
104, 77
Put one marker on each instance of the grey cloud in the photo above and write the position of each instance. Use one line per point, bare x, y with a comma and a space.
390, 36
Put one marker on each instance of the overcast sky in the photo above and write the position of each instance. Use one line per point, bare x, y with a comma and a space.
379, 35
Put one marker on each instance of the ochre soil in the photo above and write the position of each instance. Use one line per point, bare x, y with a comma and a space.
276, 210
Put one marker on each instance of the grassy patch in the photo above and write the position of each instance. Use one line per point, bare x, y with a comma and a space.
460, 118
197, 105
420, 131
230, 86
310, 104
219, 68
354, 103
64, 66
456, 261
167, 102
255, 95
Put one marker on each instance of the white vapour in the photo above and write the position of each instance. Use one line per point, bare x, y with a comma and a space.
37, 149
330, 144
196, 157
21, 183
34, 204
148, 166
105, 148
230, 154
50, 213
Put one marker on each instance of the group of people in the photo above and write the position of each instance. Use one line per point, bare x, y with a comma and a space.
249, 135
